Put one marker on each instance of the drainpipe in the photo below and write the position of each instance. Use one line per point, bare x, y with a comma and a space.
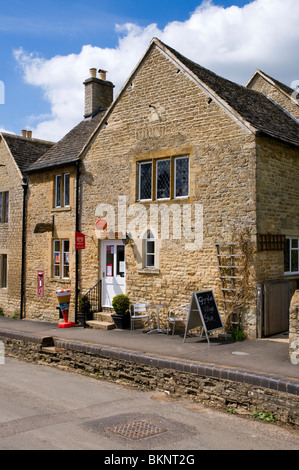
24, 186
77, 230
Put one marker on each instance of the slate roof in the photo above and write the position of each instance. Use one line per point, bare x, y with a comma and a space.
68, 149
25, 151
255, 108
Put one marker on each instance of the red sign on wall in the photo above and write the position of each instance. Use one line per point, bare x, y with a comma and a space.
80, 241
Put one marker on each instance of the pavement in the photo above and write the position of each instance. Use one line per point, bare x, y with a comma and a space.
266, 356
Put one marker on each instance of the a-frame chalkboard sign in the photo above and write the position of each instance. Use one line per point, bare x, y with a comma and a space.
203, 312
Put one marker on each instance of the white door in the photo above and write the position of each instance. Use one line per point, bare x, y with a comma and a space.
113, 270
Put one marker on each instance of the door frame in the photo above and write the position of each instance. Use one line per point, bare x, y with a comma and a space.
102, 266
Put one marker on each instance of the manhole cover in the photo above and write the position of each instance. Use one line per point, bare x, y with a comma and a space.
136, 429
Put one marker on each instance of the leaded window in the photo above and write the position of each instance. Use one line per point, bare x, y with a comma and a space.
163, 179
145, 180
181, 188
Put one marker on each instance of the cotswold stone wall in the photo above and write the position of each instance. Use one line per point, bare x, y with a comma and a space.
277, 202
180, 121
11, 232
39, 244
262, 85
242, 392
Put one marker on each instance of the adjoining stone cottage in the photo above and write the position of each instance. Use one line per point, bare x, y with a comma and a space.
53, 205
17, 153
182, 164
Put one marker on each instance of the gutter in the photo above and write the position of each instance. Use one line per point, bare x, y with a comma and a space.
25, 187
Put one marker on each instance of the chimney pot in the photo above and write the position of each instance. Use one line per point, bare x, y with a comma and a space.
29, 135
93, 72
24, 133
103, 74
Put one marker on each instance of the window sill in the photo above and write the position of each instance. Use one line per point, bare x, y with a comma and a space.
61, 209
58, 279
291, 275
148, 271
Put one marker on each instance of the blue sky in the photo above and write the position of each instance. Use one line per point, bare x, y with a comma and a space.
46, 48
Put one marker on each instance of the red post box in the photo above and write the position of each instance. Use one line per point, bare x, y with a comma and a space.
40, 283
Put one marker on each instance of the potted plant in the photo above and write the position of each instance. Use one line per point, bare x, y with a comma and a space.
121, 305
85, 312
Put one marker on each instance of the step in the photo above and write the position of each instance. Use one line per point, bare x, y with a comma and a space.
102, 316
101, 325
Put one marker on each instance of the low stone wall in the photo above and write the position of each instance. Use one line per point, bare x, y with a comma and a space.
238, 391
294, 328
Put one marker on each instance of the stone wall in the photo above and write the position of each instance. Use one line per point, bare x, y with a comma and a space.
180, 121
242, 392
11, 232
261, 84
277, 202
39, 243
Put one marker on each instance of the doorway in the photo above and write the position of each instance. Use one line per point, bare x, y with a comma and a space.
113, 269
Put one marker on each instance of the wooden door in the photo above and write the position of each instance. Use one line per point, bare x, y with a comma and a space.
277, 298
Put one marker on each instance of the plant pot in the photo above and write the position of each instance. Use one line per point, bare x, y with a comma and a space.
121, 321
80, 318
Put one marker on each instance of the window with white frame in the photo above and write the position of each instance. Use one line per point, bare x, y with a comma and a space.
150, 250
4, 207
3, 271
61, 259
62, 190
291, 256
163, 178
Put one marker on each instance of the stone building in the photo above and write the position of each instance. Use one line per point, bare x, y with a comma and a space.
219, 163
280, 93
16, 154
195, 177
53, 205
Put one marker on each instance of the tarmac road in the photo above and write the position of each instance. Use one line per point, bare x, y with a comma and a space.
42, 408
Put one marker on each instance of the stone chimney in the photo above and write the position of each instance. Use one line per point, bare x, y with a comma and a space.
26, 134
98, 92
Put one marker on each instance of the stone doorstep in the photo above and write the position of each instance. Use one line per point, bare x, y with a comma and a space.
100, 325
101, 321
103, 316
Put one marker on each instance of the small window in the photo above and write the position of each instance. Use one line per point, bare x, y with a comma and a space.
4, 207
163, 179
66, 190
56, 261
150, 251
291, 256
145, 181
65, 259
181, 180
62, 190
58, 191
3, 271
61, 259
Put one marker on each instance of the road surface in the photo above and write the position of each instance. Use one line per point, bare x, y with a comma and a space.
43, 408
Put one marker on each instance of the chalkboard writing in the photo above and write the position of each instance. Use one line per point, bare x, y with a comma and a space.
209, 310
203, 312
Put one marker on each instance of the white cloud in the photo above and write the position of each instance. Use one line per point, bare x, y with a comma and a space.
232, 42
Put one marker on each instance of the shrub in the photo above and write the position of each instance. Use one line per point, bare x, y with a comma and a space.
84, 305
121, 304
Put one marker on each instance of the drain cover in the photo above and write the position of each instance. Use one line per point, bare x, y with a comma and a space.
136, 429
